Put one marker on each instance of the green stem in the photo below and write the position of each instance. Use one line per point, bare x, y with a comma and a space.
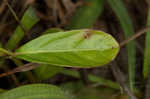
5, 52
18, 63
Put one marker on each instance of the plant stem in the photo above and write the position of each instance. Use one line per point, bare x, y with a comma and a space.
28, 74
137, 34
6, 52
121, 79
17, 19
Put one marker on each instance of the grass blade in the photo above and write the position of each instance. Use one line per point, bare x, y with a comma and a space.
93, 78
87, 14
45, 71
126, 24
146, 65
28, 20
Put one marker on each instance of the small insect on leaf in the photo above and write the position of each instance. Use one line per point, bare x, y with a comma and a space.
77, 48
88, 34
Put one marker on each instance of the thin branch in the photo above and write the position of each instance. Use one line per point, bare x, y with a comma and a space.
13, 76
17, 19
6, 52
26, 67
120, 77
137, 34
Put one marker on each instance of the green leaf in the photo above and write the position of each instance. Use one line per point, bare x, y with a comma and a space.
2, 91
35, 91
45, 71
87, 14
77, 48
28, 20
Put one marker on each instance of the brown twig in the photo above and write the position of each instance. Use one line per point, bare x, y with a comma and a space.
121, 79
26, 67
137, 34
17, 19
13, 76
3, 5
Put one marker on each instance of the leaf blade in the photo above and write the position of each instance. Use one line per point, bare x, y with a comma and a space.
71, 48
38, 91
87, 14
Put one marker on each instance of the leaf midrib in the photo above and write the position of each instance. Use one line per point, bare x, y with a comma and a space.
53, 51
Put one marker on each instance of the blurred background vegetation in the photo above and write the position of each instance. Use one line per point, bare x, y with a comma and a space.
24, 20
